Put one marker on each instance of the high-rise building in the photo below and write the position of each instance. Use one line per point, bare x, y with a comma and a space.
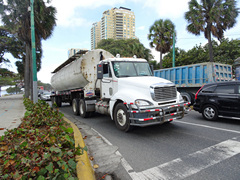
116, 24
95, 34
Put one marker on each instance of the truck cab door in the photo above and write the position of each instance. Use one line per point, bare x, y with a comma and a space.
107, 90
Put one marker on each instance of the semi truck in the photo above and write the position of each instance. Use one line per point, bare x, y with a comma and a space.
190, 78
124, 88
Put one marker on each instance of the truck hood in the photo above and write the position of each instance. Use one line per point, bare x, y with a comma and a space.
144, 81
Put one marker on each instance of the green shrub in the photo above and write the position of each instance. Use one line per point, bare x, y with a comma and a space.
42, 147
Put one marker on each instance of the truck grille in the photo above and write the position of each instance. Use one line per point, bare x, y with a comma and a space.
165, 93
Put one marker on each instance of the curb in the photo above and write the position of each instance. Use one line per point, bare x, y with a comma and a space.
84, 168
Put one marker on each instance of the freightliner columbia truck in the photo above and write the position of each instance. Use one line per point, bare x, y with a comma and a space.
123, 88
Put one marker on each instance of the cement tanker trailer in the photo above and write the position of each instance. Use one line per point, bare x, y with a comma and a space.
124, 88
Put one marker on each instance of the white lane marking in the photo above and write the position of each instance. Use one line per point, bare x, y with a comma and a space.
181, 168
200, 125
124, 163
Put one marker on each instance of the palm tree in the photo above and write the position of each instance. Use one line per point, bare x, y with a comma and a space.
211, 17
140, 51
15, 16
161, 36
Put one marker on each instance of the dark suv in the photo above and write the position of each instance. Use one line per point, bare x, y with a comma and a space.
218, 99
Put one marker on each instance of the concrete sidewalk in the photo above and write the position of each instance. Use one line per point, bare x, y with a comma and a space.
11, 112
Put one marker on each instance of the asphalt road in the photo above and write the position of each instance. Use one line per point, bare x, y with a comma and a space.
190, 148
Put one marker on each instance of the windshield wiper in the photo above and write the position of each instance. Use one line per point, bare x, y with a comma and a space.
124, 76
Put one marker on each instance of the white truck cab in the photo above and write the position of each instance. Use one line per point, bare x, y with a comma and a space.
135, 97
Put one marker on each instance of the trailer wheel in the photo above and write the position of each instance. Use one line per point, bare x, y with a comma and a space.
82, 109
121, 118
75, 106
58, 101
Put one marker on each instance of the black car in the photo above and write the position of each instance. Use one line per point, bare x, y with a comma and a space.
220, 99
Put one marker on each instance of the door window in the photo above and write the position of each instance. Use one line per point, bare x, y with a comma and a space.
229, 89
209, 89
106, 71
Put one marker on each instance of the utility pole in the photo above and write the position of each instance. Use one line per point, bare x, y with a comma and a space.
173, 58
35, 97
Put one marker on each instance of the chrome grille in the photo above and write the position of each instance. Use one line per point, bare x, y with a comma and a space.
165, 93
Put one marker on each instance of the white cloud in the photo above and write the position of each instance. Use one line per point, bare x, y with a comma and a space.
168, 8
44, 75
141, 28
67, 12
156, 54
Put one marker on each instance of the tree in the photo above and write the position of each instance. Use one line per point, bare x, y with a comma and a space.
161, 36
6, 77
140, 51
9, 43
225, 52
211, 17
154, 64
16, 17
46, 86
125, 47
13, 90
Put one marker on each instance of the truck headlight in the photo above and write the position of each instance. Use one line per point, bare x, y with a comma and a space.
141, 102
180, 98
152, 93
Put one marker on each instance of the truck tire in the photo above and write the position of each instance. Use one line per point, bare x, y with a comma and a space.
75, 106
58, 101
82, 109
187, 97
210, 112
121, 118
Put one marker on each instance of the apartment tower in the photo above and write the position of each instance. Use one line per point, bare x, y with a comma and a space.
116, 24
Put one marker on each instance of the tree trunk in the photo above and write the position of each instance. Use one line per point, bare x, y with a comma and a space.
26, 72
210, 43
160, 60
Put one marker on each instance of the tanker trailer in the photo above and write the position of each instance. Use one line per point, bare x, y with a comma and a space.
123, 88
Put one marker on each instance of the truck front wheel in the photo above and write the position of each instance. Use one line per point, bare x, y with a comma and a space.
121, 117
75, 106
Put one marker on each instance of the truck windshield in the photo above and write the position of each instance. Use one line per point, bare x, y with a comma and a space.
131, 69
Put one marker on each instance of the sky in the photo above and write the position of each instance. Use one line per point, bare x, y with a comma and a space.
75, 19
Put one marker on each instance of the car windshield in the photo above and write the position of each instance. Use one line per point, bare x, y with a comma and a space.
131, 69
47, 93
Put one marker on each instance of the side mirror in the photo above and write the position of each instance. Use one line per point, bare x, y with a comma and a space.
152, 69
99, 71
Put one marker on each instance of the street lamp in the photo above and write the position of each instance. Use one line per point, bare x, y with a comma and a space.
173, 58
35, 97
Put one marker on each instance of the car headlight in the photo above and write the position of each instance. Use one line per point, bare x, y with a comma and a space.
141, 102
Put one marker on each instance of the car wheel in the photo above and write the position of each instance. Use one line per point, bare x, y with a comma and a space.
121, 118
75, 106
210, 112
82, 109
